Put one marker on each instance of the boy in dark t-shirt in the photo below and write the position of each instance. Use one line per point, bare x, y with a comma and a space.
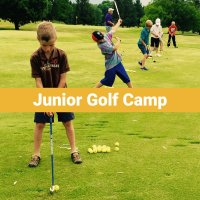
49, 66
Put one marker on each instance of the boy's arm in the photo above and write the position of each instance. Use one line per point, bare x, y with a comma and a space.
38, 83
117, 44
116, 26
169, 30
62, 82
153, 32
143, 43
110, 23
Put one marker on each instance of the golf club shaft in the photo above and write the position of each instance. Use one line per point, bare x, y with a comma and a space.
117, 10
52, 157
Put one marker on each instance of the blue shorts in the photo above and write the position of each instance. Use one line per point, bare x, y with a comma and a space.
41, 117
111, 74
143, 49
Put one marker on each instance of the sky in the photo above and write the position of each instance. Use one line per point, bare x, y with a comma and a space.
144, 2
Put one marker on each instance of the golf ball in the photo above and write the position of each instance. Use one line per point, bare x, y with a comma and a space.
90, 150
56, 188
117, 144
116, 148
108, 149
99, 149
104, 148
94, 150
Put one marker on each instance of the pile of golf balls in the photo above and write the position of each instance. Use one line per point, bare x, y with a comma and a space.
102, 148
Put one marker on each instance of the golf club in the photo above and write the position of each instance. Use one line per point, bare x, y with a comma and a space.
151, 55
117, 10
52, 156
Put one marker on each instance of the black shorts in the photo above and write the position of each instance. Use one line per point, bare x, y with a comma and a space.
41, 117
155, 42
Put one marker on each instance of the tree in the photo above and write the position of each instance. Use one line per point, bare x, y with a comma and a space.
82, 11
21, 12
95, 15
63, 10
183, 12
127, 12
104, 9
139, 11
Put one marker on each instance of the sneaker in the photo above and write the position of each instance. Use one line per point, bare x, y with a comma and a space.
140, 63
175, 47
158, 55
76, 159
35, 160
150, 55
144, 68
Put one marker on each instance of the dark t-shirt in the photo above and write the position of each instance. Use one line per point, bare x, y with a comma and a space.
108, 18
49, 70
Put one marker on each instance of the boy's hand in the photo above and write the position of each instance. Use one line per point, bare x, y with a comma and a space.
50, 114
118, 39
120, 21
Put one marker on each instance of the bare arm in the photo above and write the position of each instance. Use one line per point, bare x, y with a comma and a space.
62, 82
143, 43
116, 26
110, 23
38, 83
117, 44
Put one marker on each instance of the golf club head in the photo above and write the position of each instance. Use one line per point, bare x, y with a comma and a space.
51, 189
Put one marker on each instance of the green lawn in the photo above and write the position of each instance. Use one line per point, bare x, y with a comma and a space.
159, 152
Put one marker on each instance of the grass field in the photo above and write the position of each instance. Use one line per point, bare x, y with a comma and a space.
159, 152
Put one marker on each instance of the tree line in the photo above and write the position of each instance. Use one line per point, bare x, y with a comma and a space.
186, 13
20, 12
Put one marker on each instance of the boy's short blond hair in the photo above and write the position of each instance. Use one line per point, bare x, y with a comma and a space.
149, 23
46, 32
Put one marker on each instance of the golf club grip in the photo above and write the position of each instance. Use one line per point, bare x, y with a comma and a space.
117, 9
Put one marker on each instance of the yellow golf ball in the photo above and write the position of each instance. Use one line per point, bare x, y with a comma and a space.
56, 188
90, 150
117, 144
116, 148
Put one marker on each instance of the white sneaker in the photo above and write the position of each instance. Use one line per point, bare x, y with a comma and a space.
158, 55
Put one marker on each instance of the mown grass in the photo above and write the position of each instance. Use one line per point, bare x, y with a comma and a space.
159, 152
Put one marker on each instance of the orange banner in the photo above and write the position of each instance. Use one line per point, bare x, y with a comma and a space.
100, 100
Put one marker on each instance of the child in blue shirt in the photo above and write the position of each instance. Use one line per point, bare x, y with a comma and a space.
112, 58
143, 43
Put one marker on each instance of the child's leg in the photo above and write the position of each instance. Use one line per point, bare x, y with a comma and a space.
122, 74
157, 42
75, 156
174, 40
129, 84
38, 137
152, 46
144, 60
98, 85
70, 134
169, 40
